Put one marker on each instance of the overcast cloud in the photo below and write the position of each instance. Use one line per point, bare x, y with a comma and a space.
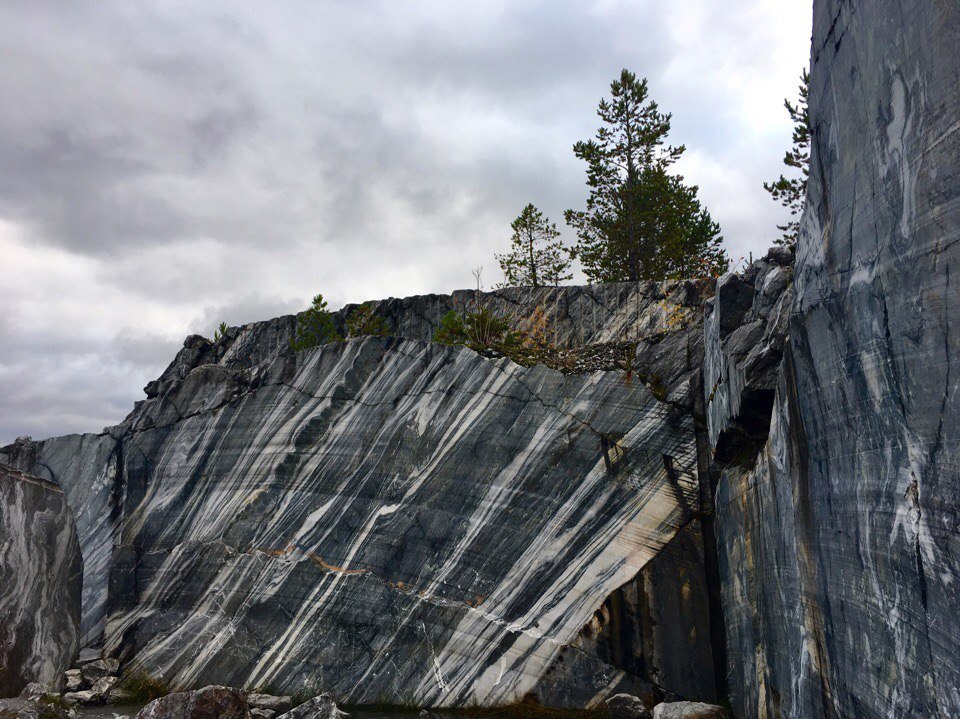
166, 166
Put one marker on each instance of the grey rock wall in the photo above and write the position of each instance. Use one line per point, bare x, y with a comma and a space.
839, 548
84, 466
388, 519
40, 575
193, 511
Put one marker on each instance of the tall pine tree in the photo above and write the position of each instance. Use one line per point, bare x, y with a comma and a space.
791, 192
641, 222
536, 257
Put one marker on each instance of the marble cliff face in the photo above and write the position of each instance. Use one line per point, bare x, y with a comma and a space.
839, 543
389, 519
40, 573
763, 506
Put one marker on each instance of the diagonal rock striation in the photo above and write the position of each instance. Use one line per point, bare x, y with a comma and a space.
388, 519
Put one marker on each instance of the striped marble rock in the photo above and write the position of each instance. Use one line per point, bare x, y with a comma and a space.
387, 520
40, 571
85, 467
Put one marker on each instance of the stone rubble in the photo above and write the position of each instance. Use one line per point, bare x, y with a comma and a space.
93, 682
213, 702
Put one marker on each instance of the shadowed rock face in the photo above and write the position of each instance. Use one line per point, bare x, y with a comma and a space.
840, 547
40, 571
745, 330
650, 638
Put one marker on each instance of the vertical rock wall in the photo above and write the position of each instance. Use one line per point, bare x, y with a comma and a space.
40, 572
840, 543
84, 466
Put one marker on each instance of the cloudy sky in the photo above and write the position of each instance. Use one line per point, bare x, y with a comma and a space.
168, 165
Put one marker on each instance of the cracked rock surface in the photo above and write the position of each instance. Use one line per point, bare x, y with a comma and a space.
745, 328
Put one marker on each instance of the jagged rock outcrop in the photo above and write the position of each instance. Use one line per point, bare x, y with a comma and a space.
320, 707
40, 575
388, 518
210, 702
745, 329
839, 542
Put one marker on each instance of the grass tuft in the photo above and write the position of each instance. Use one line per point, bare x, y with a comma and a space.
142, 688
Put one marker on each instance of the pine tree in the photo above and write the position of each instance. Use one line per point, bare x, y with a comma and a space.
315, 326
536, 257
791, 192
641, 222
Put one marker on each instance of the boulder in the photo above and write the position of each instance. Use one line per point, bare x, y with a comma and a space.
92, 671
104, 686
689, 710
211, 702
86, 697
269, 701
262, 713
627, 706
321, 707
74, 680
33, 691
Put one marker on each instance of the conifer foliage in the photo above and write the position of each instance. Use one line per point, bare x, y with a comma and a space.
641, 222
315, 326
791, 192
536, 256
364, 322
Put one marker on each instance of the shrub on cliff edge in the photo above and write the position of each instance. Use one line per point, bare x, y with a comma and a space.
362, 322
314, 327
480, 330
